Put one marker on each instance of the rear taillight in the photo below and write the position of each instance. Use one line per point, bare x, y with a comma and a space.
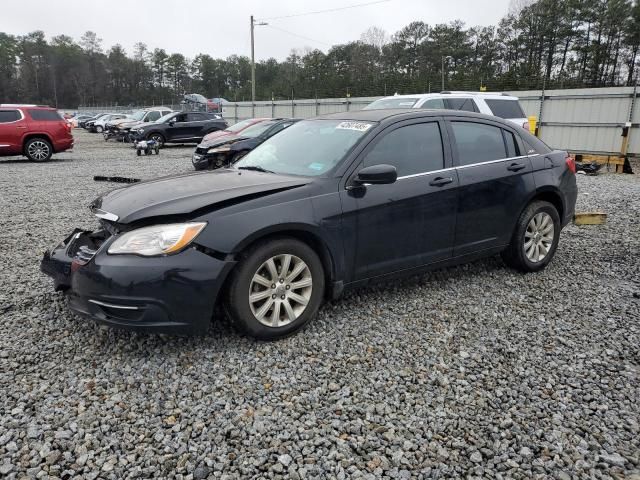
571, 163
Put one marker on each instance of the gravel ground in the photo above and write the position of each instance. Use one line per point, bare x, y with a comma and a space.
474, 371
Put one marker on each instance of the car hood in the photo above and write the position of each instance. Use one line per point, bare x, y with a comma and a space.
226, 140
185, 194
145, 124
215, 135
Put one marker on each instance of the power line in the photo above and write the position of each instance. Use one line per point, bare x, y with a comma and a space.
298, 35
327, 11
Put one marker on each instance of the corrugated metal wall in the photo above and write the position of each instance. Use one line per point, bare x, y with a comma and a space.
588, 120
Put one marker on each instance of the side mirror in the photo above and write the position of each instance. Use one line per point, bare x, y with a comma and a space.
172, 123
377, 174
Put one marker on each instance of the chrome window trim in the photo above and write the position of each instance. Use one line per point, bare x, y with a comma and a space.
111, 305
492, 161
425, 173
9, 123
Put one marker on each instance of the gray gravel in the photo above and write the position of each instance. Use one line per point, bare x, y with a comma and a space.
474, 371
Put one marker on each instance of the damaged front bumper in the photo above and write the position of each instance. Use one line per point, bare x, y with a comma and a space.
170, 294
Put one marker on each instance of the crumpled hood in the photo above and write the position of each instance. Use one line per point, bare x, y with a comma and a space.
216, 142
184, 194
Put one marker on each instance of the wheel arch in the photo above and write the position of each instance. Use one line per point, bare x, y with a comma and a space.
303, 233
33, 135
551, 195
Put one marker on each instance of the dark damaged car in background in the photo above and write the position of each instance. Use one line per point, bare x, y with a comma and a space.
326, 205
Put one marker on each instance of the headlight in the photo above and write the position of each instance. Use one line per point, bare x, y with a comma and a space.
157, 240
222, 149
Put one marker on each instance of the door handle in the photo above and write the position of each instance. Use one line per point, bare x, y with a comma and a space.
440, 181
21, 127
514, 167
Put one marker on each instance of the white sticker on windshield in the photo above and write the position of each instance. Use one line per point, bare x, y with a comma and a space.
359, 126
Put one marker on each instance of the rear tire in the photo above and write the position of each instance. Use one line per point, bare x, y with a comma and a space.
535, 239
38, 150
266, 303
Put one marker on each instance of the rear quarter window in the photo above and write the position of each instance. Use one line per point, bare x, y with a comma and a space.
506, 108
8, 116
534, 145
45, 115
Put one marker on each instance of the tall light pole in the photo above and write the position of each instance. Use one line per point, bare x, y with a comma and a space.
448, 57
253, 60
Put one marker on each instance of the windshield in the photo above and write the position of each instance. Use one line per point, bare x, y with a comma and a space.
401, 102
240, 125
309, 147
257, 129
166, 117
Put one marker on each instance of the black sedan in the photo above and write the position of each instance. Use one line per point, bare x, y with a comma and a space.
329, 204
179, 127
225, 151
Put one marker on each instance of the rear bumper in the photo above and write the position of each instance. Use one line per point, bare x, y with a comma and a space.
63, 145
174, 294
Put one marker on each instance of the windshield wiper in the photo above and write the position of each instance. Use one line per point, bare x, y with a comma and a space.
255, 168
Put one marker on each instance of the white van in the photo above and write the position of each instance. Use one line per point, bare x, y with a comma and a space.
497, 104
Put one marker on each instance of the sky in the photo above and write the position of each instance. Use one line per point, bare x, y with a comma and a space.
221, 28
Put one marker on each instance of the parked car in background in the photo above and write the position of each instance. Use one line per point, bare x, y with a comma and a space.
122, 127
234, 129
79, 118
228, 149
83, 123
179, 127
328, 204
99, 125
500, 105
89, 124
33, 131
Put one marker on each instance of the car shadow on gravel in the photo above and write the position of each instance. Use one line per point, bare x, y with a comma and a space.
221, 337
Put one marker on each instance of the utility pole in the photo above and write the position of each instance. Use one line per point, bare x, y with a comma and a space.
253, 59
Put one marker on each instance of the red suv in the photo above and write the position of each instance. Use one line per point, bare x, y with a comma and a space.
33, 131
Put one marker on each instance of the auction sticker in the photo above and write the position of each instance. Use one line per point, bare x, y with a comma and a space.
358, 126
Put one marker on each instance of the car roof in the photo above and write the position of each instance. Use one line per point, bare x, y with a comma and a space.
380, 115
25, 105
455, 94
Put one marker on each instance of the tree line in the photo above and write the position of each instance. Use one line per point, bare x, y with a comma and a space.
544, 43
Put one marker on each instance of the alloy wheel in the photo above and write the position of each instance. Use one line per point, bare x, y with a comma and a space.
157, 139
538, 238
38, 150
280, 290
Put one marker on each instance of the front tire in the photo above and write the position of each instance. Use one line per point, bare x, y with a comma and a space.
38, 150
276, 289
535, 239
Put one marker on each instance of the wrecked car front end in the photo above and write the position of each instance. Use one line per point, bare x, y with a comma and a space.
158, 260
164, 293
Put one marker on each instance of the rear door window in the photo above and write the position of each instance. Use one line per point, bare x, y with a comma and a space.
45, 115
464, 104
411, 149
505, 108
478, 142
8, 116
